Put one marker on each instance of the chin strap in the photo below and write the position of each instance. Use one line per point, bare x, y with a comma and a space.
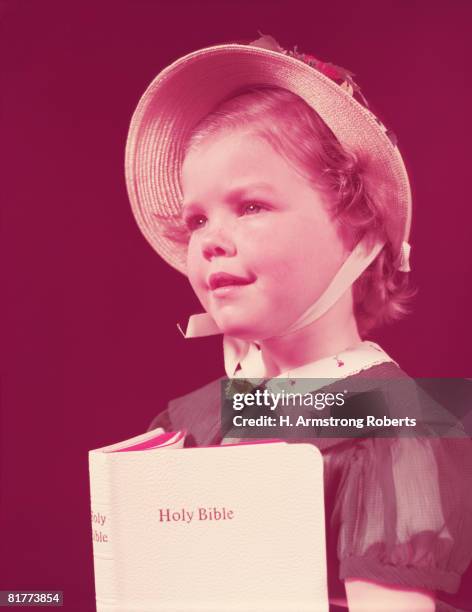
246, 355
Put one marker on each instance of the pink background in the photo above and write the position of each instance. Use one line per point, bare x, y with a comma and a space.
91, 347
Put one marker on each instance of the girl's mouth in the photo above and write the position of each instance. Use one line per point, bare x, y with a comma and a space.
221, 283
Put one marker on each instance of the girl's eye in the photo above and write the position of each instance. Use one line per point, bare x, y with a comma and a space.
195, 222
251, 208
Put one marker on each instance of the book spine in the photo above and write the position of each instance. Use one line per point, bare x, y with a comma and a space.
103, 537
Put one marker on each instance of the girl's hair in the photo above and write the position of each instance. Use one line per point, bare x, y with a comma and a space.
357, 203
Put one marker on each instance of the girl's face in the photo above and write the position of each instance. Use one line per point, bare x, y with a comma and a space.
263, 246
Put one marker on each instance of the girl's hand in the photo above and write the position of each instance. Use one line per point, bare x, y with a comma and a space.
365, 596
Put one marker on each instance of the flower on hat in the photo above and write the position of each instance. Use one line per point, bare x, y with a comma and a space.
266, 41
344, 77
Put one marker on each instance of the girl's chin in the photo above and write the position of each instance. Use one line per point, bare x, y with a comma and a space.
243, 330
241, 333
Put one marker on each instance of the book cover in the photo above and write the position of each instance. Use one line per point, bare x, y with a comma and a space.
237, 527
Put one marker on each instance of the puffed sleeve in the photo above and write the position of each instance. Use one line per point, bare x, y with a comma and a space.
405, 512
161, 420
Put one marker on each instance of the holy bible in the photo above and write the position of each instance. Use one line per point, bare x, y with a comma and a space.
213, 529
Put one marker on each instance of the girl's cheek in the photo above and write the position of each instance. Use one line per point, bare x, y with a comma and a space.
193, 259
193, 278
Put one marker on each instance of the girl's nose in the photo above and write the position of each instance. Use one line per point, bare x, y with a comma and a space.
217, 244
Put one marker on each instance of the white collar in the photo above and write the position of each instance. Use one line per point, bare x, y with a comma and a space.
353, 360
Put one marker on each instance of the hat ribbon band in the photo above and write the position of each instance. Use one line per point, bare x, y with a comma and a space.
246, 354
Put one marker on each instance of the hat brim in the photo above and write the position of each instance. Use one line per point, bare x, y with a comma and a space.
187, 90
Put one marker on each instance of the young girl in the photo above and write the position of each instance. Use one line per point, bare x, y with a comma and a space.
256, 172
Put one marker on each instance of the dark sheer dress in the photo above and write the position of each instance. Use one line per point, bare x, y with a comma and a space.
398, 509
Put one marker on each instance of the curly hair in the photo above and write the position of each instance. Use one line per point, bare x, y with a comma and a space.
357, 202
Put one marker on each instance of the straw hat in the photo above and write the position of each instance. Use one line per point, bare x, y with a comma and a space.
191, 87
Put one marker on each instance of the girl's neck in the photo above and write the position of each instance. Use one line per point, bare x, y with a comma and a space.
329, 335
